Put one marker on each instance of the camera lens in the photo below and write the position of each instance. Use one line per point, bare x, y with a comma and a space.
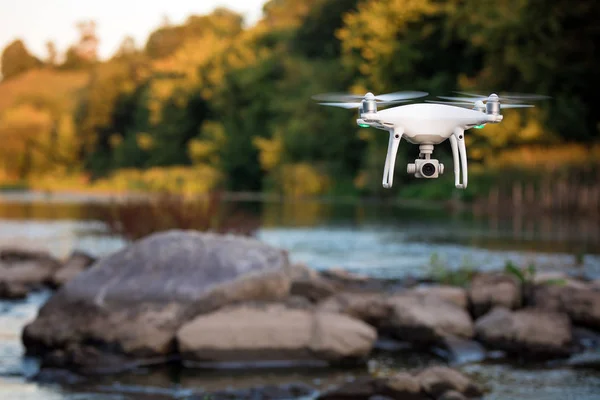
428, 169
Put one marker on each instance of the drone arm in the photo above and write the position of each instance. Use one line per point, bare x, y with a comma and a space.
390, 160
457, 141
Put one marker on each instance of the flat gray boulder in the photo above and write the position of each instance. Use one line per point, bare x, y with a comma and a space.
130, 305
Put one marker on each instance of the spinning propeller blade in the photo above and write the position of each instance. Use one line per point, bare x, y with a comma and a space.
348, 100
337, 97
511, 96
396, 96
357, 105
516, 105
508, 97
342, 105
469, 104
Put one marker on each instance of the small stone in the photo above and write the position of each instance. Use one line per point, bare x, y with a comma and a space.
436, 381
487, 291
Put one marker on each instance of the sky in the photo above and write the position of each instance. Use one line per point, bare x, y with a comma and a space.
38, 21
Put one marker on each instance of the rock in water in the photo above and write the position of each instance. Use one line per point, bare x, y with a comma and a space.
129, 305
487, 291
274, 333
23, 270
430, 383
427, 319
528, 331
437, 381
581, 302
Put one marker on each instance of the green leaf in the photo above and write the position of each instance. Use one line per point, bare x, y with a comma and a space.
512, 269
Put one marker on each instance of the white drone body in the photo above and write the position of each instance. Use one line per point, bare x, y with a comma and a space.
427, 124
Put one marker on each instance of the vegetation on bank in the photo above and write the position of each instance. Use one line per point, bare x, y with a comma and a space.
211, 105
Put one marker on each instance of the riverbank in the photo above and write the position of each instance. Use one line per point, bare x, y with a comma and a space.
475, 311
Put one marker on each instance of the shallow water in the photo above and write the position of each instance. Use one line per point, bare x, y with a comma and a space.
376, 240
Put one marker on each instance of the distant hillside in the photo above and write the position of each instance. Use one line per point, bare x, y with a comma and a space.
61, 86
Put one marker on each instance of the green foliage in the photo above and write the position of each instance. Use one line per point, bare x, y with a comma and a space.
316, 36
214, 95
440, 272
527, 275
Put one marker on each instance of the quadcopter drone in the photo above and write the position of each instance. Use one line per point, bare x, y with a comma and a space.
426, 124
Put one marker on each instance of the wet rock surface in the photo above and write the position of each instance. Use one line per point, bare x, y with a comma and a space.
132, 303
577, 299
426, 319
22, 271
431, 383
490, 290
534, 331
199, 300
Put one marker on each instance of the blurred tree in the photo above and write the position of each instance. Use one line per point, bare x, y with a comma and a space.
84, 53
87, 47
235, 103
127, 48
539, 47
52, 56
285, 14
101, 112
167, 39
16, 59
315, 37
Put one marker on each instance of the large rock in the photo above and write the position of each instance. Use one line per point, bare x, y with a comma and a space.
22, 270
411, 316
426, 319
489, 290
531, 331
254, 334
131, 303
581, 302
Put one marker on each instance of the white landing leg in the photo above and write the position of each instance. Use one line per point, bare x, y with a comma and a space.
457, 142
390, 159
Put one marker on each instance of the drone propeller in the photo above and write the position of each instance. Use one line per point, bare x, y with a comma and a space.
347, 100
508, 97
470, 104
358, 104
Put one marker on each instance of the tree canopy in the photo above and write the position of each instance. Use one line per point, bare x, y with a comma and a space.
234, 101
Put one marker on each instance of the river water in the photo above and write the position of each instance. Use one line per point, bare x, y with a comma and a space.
384, 241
